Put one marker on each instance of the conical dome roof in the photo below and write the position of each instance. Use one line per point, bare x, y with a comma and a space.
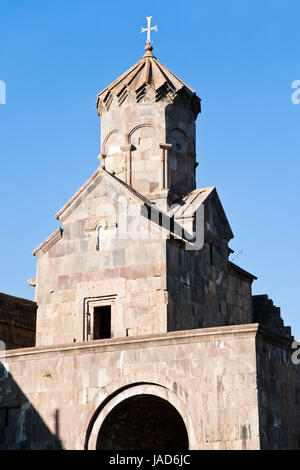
147, 77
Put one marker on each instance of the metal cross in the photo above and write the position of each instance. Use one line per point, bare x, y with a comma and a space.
149, 29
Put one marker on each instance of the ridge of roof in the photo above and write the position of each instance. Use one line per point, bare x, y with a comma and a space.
134, 192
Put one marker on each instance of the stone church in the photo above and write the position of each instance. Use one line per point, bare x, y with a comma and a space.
146, 335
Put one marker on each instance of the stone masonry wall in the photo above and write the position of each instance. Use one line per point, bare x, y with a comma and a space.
131, 138
73, 275
279, 392
204, 288
268, 315
209, 376
17, 321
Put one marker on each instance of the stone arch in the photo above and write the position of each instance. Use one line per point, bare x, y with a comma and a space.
190, 142
112, 152
145, 158
100, 221
143, 422
181, 161
177, 136
132, 390
139, 127
113, 137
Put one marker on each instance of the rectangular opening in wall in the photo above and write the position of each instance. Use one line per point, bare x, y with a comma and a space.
211, 252
102, 322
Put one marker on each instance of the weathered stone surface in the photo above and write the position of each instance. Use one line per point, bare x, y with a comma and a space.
17, 321
217, 378
267, 314
119, 269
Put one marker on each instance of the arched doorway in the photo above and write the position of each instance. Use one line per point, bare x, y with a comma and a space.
143, 422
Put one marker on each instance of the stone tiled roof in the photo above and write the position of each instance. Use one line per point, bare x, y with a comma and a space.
147, 74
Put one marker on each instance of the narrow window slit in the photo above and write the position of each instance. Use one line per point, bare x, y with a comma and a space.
100, 238
211, 254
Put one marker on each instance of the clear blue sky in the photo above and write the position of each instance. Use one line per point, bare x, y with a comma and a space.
240, 56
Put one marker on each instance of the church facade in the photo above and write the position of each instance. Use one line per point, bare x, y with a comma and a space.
147, 336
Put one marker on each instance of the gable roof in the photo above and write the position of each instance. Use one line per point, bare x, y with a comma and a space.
185, 209
57, 234
112, 178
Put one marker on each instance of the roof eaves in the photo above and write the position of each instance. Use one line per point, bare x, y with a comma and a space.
242, 271
50, 241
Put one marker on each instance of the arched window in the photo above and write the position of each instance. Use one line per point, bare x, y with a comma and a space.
100, 238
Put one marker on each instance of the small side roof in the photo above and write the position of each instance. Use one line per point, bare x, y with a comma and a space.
242, 271
50, 241
193, 201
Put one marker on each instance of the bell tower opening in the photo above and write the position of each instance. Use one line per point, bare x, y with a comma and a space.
143, 422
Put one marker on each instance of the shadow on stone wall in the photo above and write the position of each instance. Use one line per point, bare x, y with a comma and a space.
17, 321
143, 422
278, 384
21, 426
